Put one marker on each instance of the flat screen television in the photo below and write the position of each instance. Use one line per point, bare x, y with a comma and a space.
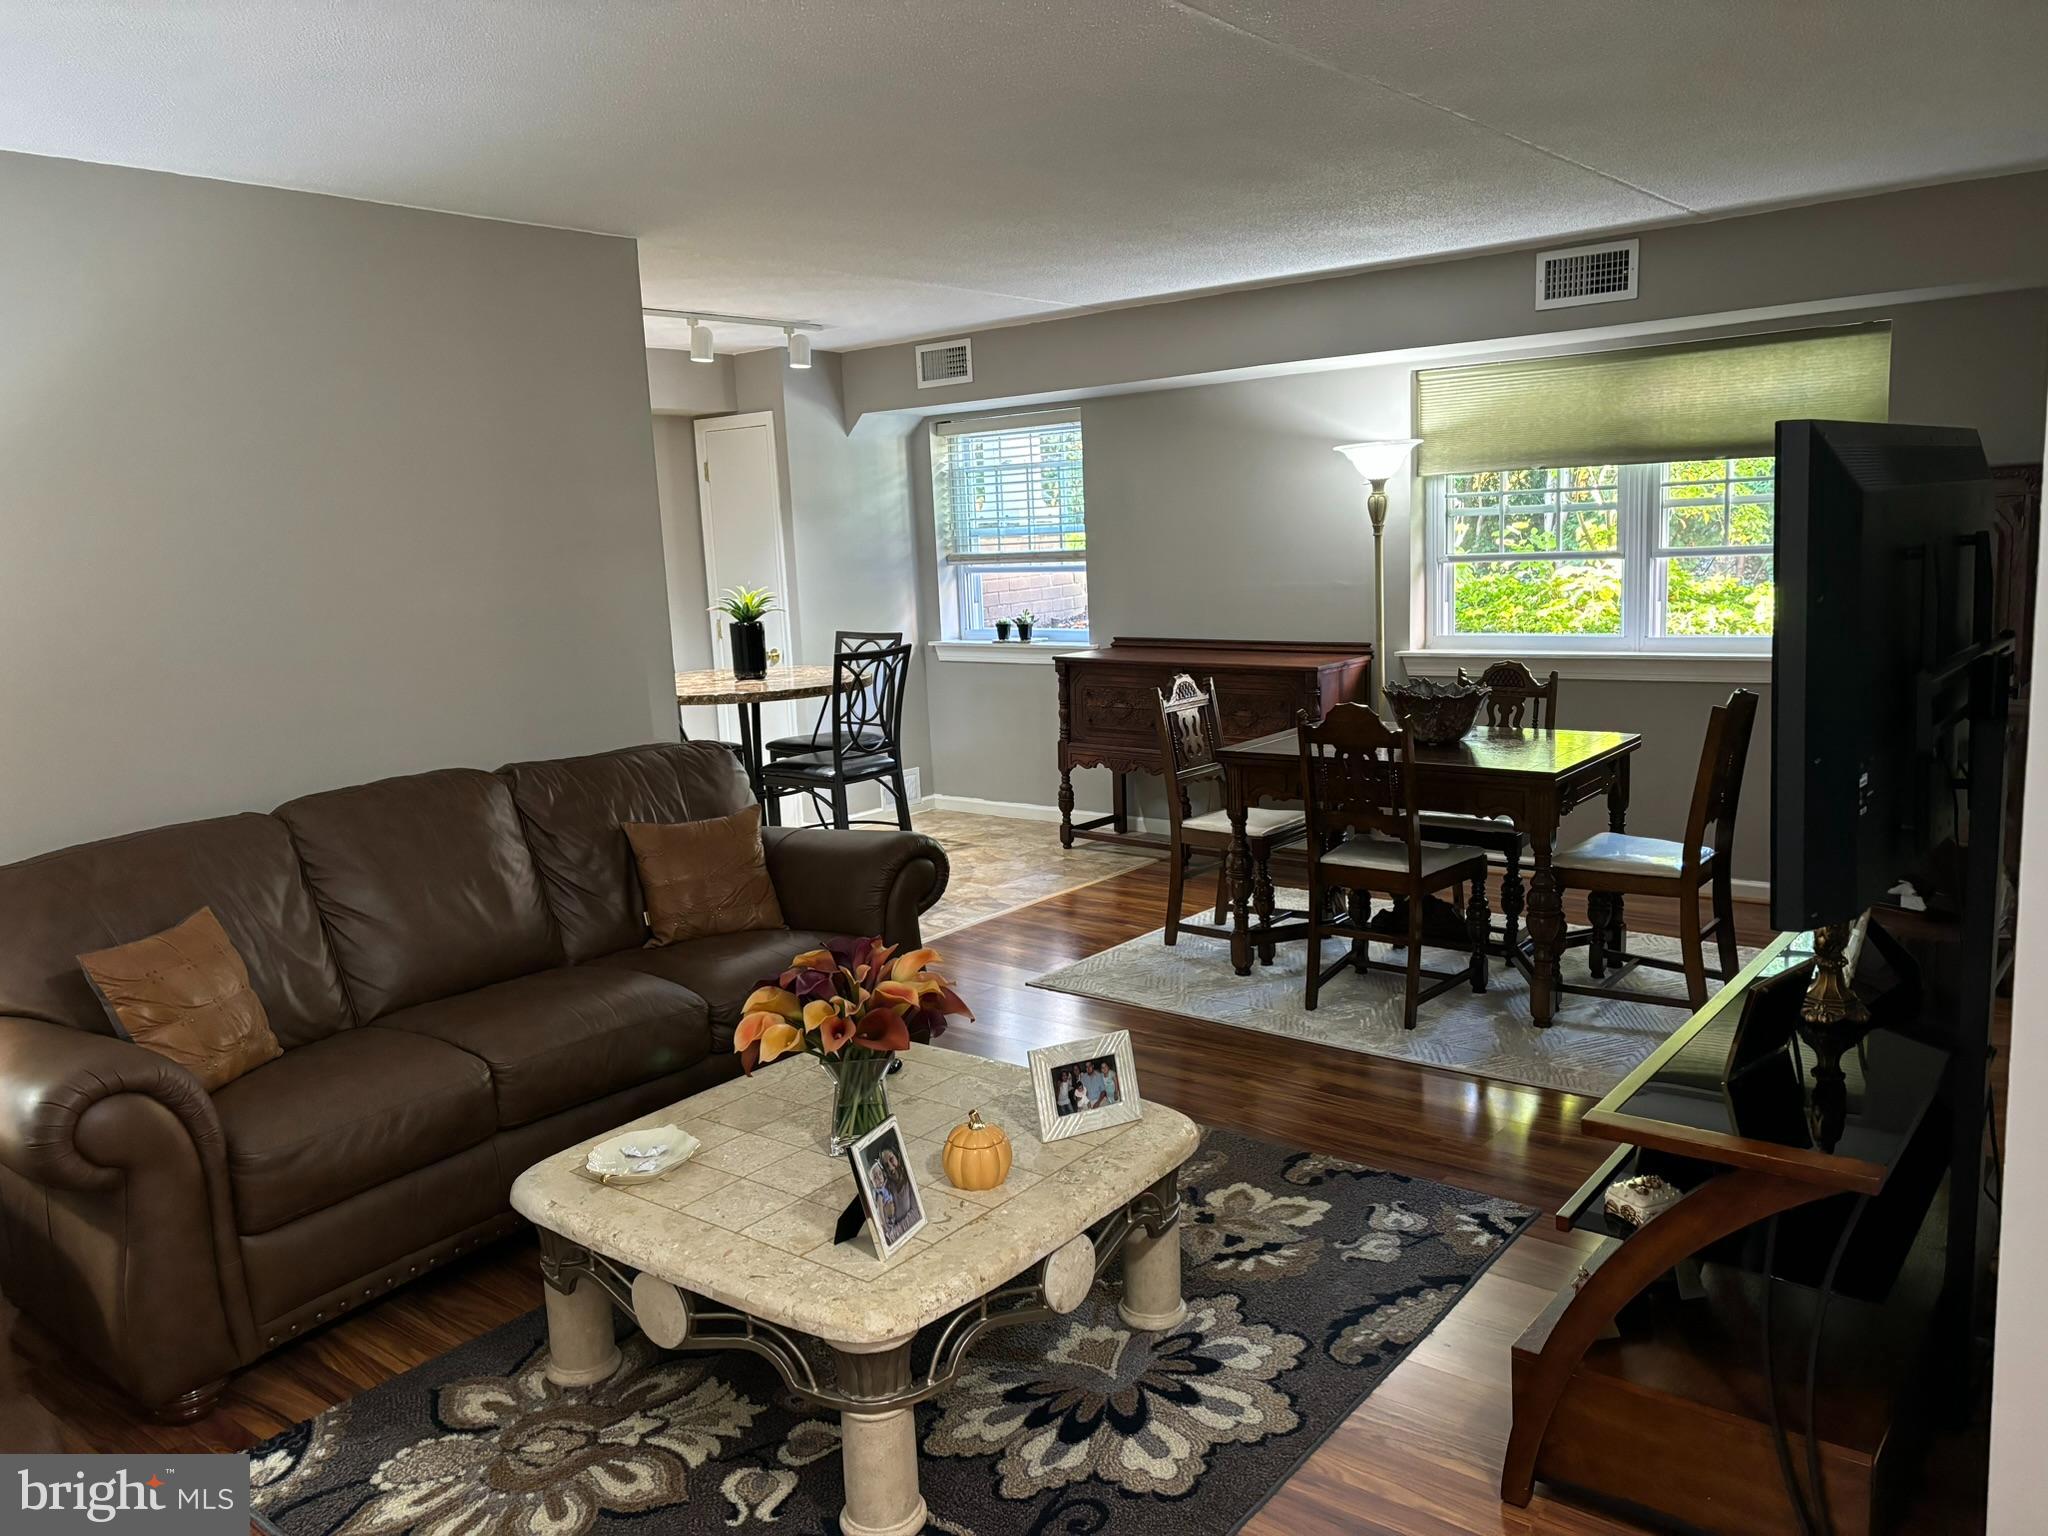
1885, 545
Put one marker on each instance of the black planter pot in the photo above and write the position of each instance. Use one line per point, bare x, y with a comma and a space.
1023, 631
749, 651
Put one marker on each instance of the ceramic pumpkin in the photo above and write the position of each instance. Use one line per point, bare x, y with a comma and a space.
977, 1154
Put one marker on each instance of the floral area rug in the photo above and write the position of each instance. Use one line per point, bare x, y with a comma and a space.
1591, 1044
1307, 1278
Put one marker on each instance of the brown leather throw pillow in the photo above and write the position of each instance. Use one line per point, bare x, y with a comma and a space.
184, 993
701, 878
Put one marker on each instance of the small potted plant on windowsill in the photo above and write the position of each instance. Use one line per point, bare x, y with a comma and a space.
1024, 622
1002, 629
744, 608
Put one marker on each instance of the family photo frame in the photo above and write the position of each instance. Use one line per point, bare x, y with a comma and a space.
888, 1187
1085, 1085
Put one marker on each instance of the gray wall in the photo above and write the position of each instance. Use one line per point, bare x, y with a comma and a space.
299, 491
1928, 241
1222, 511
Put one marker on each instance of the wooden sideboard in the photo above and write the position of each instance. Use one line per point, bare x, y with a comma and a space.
1109, 706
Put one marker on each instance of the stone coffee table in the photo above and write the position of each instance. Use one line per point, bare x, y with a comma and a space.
734, 1249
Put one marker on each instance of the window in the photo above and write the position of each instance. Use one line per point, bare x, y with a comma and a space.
1667, 556
1012, 526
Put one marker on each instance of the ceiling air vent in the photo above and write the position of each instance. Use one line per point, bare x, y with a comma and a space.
945, 362
1586, 274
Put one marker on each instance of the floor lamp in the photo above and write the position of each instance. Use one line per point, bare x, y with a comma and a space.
1377, 463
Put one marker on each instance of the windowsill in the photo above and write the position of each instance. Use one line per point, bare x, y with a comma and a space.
1727, 668
1011, 651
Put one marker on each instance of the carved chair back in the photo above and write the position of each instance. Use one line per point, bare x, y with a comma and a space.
868, 681
1358, 775
1517, 698
1717, 790
1190, 732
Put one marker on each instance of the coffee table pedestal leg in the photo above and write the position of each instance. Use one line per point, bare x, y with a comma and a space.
1152, 1301
582, 1348
878, 1451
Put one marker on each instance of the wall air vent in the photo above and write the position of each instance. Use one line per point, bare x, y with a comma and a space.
1587, 274
945, 362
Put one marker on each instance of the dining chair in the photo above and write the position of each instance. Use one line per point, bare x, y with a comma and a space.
1365, 835
1613, 865
819, 737
865, 743
1516, 699
1190, 732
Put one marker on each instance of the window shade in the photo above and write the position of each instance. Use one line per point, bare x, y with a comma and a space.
1701, 400
1009, 488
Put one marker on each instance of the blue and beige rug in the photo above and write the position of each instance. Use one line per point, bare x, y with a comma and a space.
1308, 1279
1591, 1044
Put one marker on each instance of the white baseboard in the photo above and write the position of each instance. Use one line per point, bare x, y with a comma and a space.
1021, 810
1016, 810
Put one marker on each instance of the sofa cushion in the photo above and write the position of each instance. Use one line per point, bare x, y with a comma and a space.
576, 808
560, 1038
61, 905
426, 885
721, 970
703, 878
345, 1114
184, 993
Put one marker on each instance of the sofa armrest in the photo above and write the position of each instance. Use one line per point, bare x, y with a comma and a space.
855, 882
117, 1228
51, 1077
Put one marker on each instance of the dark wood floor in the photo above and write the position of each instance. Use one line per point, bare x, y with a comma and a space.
1421, 1455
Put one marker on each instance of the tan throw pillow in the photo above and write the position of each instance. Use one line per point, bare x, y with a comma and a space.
184, 993
704, 877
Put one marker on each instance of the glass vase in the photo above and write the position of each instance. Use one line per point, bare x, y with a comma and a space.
861, 1100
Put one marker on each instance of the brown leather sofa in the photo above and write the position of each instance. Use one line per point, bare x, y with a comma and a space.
453, 964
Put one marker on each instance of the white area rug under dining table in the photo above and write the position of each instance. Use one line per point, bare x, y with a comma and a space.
1592, 1044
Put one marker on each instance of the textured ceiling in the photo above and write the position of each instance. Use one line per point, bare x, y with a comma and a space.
902, 168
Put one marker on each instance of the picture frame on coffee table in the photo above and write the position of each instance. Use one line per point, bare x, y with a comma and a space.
1085, 1085
888, 1187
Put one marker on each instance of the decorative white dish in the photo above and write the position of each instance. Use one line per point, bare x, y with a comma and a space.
634, 1157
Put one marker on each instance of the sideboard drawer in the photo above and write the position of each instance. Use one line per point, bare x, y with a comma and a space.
1248, 708
1120, 709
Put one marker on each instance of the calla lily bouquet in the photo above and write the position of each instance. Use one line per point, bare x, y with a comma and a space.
853, 1001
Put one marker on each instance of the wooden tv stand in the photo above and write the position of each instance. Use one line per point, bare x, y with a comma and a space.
1643, 1384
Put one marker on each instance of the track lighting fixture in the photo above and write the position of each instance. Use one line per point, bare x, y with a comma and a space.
703, 346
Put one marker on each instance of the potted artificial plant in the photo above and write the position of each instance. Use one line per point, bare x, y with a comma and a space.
1024, 622
744, 608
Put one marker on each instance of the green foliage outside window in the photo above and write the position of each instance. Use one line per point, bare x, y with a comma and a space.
1723, 505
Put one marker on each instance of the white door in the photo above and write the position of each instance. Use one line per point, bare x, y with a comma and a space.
740, 497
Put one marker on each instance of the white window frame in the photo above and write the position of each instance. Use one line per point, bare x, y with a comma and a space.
1639, 492
958, 573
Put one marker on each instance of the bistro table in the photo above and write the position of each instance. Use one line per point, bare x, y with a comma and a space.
717, 685
1531, 777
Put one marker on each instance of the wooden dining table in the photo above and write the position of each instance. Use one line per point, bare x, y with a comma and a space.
1531, 777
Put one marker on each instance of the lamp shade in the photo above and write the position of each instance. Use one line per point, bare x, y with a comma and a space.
1379, 460
701, 349
799, 349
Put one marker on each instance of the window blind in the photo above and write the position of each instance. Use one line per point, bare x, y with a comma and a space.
1009, 488
1700, 400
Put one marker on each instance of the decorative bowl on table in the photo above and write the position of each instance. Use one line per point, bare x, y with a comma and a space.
634, 1157
1438, 713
